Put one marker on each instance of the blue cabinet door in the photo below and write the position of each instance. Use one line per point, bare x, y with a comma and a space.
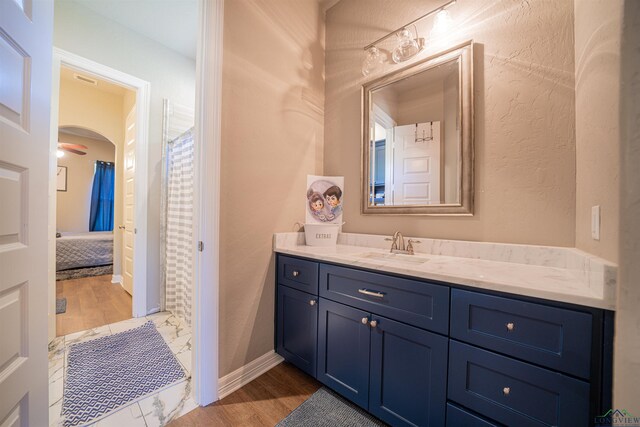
343, 350
297, 328
515, 393
408, 374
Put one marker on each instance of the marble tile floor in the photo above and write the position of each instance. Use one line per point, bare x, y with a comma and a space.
155, 410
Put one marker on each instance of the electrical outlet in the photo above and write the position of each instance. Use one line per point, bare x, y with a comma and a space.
595, 222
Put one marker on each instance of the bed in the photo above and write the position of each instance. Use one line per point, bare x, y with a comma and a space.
81, 250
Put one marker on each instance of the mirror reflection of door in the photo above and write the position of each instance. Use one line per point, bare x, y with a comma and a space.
416, 164
414, 145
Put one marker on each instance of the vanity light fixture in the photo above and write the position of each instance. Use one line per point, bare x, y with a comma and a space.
408, 45
407, 48
373, 59
59, 153
441, 23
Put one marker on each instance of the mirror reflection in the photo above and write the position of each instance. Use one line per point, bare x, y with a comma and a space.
417, 145
415, 139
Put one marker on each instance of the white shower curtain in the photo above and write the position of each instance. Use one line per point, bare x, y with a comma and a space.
179, 241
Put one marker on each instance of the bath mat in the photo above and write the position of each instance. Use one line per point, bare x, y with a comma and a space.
326, 409
107, 373
79, 273
61, 305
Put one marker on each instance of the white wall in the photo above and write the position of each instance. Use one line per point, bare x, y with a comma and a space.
171, 75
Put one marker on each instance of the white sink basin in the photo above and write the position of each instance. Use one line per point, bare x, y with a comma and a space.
389, 257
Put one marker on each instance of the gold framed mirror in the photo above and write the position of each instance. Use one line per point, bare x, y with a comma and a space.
417, 138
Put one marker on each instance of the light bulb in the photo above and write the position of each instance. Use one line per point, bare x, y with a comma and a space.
442, 23
373, 60
407, 47
59, 153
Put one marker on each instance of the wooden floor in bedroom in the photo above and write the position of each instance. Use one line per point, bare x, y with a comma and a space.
265, 401
91, 302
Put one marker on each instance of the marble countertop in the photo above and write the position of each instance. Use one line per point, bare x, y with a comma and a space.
552, 273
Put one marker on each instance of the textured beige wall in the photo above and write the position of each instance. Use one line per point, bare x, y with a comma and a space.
597, 57
73, 206
627, 342
524, 110
272, 137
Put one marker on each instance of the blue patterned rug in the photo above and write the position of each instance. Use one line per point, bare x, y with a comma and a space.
108, 373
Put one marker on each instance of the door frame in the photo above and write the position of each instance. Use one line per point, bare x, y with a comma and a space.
206, 211
208, 121
78, 63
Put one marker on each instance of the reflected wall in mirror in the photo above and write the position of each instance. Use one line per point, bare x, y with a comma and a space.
418, 138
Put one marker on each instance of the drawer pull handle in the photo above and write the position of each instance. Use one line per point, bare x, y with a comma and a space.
296, 273
510, 326
365, 320
312, 302
506, 391
373, 323
371, 293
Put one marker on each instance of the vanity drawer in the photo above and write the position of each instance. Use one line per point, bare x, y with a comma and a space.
552, 337
513, 392
458, 417
420, 304
298, 274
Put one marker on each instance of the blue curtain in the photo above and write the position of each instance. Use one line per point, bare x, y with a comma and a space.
101, 216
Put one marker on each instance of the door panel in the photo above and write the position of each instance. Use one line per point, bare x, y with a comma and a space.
416, 165
298, 328
408, 374
129, 201
25, 88
343, 350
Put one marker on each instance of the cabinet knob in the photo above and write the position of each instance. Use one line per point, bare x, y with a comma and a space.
506, 391
510, 326
365, 320
373, 323
296, 273
312, 302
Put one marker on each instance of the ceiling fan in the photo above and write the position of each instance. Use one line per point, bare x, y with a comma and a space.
71, 148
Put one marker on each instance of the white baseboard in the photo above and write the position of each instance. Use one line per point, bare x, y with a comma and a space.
249, 372
116, 278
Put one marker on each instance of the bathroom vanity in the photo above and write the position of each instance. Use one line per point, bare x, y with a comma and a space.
434, 339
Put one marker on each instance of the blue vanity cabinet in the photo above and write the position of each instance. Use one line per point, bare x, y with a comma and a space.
553, 337
515, 393
408, 374
343, 350
297, 312
297, 328
528, 363
418, 353
393, 369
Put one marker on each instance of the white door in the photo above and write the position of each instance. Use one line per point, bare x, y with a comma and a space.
25, 89
129, 200
416, 164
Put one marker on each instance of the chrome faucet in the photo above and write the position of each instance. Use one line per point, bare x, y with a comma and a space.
398, 246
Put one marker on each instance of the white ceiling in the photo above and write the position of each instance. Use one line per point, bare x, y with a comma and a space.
172, 23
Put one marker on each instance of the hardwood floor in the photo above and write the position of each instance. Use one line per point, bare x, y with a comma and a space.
265, 401
91, 302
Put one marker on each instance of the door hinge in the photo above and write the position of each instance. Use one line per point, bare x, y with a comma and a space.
200, 246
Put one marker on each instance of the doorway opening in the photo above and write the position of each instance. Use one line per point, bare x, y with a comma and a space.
96, 217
